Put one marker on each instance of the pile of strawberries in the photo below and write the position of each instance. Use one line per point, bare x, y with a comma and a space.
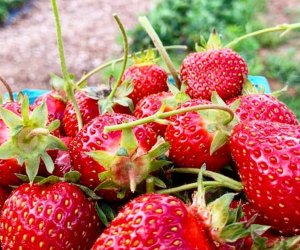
209, 162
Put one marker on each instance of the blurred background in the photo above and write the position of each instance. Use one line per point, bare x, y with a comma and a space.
28, 51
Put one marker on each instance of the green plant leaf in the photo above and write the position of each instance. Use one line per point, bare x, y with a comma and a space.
25, 109
234, 232
48, 162
72, 176
39, 115
7, 150
54, 125
102, 215
11, 120
129, 141
159, 150
220, 139
52, 179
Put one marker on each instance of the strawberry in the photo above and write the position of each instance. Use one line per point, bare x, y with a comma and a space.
88, 108
51, 216
122, 159
191, 136
155, 221
267, 155
214, 68
150, 104
26, 139
262, 107
4, 193
62, 162
147, 77
55, 104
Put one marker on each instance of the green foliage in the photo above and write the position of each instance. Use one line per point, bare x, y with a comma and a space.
8, 5
283, 68
292, 101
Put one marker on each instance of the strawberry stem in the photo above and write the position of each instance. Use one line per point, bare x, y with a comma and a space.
191, 186
9, 90
158, 44
160, 115
283, 27
121, 59
150, 186
126, 48
235, 185
68, 83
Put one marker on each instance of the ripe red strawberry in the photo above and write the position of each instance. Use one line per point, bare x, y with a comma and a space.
88, 108
190, 139
267, 155
52, 216
4, 193
263, 107
147, 79
155, 221
56, 106
214, 69
123, 158
150, 105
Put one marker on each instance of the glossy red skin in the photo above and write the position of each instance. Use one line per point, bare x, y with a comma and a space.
221, 70
267, 155
155, 221
147, 79
57, 216
190, 141
56, 107
62, 163
9, 167
149, 106
4, 193
88, 108
263, 107
92, 138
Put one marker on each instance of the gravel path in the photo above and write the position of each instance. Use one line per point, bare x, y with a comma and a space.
28, 52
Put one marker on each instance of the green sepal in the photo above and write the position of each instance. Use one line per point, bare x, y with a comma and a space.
55, 143
109, 212
220, 139
72, 176
11, 120
40, 115
32, 167
125, 102
57, 82
214, 41
159, 183
25, 108
1, 99
129, 141
102, 216
124, 89
54, 125
107, 184
159, 150
234, 232
121, 194
52, 179
249, 88
89, 192
279, 92
235, 214
7, 150
122, 152
48, 162
102, 157
105, 106
158, 164
234, 105
216, 99
202, 46
103, 176
219, 210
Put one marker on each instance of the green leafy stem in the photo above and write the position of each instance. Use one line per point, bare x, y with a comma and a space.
160, 115
283, 27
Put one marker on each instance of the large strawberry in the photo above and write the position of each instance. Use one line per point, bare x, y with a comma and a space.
122, 158
88, 109
147, 78
154, 221
267, 155
51, 216
191, 136
262, 107
214, 68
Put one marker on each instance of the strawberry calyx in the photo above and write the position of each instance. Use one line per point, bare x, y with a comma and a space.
147, 57
30, 138
213, 43
129, 166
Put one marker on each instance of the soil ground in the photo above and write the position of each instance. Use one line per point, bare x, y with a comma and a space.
29, 54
